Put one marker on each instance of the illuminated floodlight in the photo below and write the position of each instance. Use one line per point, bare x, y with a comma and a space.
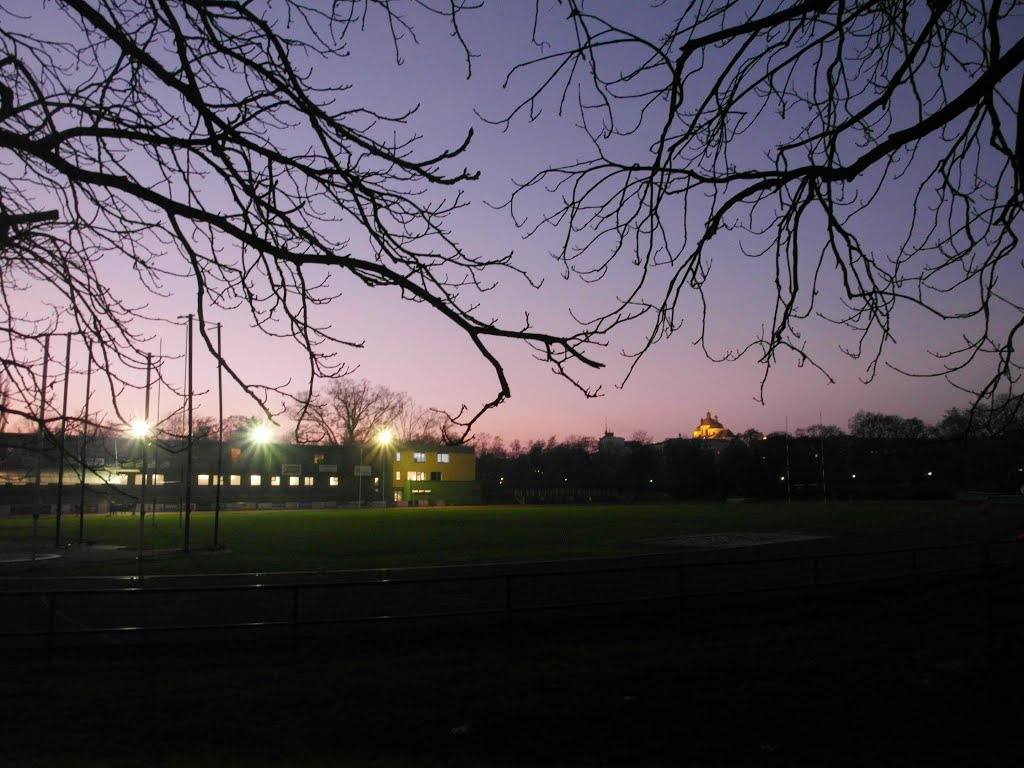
385, 437
261, 434
139, 428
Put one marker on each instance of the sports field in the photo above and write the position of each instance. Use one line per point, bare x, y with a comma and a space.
912, 672
341, 539
915, 673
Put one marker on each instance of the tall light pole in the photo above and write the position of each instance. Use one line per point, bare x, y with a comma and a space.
39, 456
63, 442
140, 431
82, 455
220, 442
188, 445
384, 438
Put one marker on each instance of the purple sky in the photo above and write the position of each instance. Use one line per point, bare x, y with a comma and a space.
410, 348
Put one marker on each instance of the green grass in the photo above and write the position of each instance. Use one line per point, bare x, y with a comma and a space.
303, 540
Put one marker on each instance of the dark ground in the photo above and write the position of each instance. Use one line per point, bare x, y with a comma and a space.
890, 679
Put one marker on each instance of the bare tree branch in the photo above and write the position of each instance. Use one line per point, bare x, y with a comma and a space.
183, 140
777, 131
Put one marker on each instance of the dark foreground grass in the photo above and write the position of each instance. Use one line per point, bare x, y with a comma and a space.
901, 679
310, 540
868, 687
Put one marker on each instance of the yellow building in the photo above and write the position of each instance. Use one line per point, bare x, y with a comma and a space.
710, 428
433, 474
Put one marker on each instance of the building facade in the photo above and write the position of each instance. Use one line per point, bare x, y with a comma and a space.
432, 474
239, 473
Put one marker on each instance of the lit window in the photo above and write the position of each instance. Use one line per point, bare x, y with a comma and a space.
156, 479
398, 477
255, 480
418, 476
275, 480
318, 458
435, 476
398, 456
119, 479
442, 458
293, 480
236, 454
236, 480
333, 481
419, 458
203, 480
308, 480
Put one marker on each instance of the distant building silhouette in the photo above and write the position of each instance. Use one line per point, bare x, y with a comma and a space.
611, 444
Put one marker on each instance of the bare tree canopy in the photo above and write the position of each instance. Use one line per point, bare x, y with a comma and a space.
870, 425
161, 141
859, 157
821, 431
349, 411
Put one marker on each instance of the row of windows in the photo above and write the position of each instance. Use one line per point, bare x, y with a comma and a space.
123, 479
257, 480
421, 458
418, 476
294, 480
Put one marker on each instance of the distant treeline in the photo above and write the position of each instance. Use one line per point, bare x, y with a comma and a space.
882, 456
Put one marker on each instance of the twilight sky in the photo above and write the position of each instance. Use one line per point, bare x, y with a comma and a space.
409, 347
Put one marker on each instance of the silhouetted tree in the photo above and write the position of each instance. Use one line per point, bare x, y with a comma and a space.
870, 425
416, 423
820, 431
348, 411
216, 144
778, 132
954, 424
641, 437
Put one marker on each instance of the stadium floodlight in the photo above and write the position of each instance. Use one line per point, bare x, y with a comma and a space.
139, 428
261, 434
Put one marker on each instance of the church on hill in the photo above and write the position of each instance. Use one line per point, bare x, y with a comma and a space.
710, 428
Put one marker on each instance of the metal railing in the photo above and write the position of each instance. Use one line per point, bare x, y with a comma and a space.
141, 613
